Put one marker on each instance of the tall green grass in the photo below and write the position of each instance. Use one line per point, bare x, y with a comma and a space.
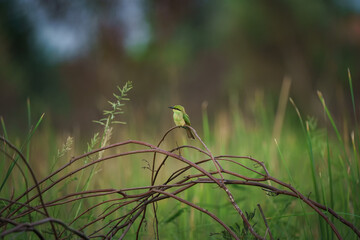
314, 158
329, 173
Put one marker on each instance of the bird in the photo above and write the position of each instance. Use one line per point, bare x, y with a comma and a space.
182, 119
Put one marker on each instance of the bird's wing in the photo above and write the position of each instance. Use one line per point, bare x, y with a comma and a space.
186, 119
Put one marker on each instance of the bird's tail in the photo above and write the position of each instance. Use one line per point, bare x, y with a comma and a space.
189, 133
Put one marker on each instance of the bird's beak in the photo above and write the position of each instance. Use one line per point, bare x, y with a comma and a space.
171, 107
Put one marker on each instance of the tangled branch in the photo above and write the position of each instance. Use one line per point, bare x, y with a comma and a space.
124, 206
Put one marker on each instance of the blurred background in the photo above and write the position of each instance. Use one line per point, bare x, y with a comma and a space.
232, 64
67, 57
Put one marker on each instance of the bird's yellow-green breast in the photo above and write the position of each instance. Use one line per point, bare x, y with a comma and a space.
181, 118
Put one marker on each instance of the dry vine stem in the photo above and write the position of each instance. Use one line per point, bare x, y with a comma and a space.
133, 203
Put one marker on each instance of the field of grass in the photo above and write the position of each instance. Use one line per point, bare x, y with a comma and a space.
319, 159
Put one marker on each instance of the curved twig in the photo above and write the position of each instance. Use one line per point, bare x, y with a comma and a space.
34, 179
152, 194
30, 226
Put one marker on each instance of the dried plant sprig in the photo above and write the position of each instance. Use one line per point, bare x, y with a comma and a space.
116, 106
66, 147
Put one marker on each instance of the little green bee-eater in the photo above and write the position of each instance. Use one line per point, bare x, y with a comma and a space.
182, 119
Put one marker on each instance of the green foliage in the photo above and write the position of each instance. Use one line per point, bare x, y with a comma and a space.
175, 215
242, 232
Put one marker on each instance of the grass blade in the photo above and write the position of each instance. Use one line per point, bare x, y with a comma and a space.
293, 183
30, 134
29, 125
3, 127
306, 130
322, 100
205, 121
356, 137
